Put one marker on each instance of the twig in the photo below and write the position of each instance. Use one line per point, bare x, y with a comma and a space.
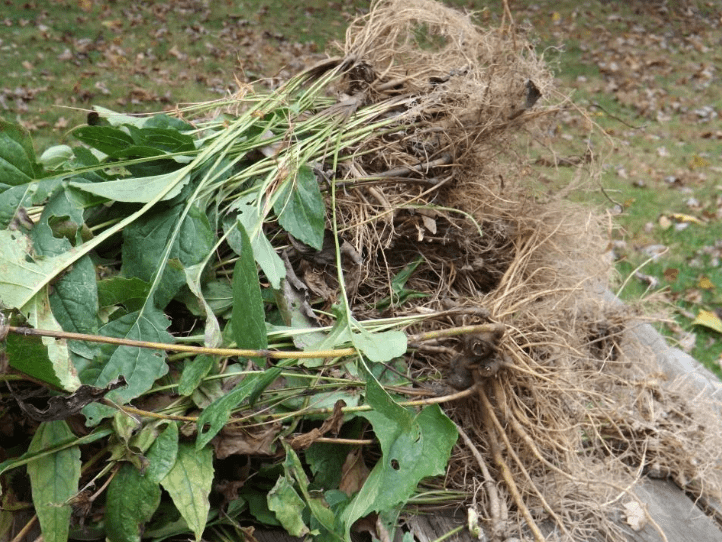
351, 441
24, 531
455, 331
105, 484
274, 354
494, 503
491, 423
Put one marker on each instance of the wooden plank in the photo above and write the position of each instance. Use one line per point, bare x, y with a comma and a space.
679, 518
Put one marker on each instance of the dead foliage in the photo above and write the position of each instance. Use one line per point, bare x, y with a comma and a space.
557, 438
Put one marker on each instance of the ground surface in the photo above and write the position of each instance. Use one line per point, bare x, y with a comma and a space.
647, 71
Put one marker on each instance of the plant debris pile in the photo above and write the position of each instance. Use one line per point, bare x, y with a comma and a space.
283, 309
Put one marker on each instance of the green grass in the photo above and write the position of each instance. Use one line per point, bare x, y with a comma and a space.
58, 60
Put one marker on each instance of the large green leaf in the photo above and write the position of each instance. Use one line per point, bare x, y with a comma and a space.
44, 358
138, 189
146, 240
17, 157
131, 500
133, 496
288, 507
54, 480
140, 366
380, 347
413, 446
106, 139
248, 316
189, 484
22, 273
74, 302
301, 210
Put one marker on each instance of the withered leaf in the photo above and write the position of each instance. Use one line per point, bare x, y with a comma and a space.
61, 407
246, 441
353, 473
331, 424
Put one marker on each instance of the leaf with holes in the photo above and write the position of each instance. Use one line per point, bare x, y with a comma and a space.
413, 446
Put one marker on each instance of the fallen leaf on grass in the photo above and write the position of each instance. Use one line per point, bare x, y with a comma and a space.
705, 283
671, 274
709, 320
680, 217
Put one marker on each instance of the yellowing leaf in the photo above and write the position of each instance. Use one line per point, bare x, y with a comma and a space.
686, 218
709, 320
705, 283
556, 17
697, 162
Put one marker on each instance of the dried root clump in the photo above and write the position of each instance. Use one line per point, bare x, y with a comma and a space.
557, 437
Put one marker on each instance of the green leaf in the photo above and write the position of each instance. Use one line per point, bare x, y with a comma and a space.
301, 210
212, 332
138, 189
320, 510
248, 316
44, 358
74, 302
288, 507
165, 139
70, 442
145, 242
17, 157
133, 497
131, 501
380, 347
121, 290
163, 453
189, 484
22, 273
140, 366
60, 224
412, 446
15, 199
250, 218
54, 480
193, 373
106, 139
215, 416
56, 156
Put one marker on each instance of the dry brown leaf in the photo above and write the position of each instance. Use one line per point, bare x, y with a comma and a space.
243, 441
353, 473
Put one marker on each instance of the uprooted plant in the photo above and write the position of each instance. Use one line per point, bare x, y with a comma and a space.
259, 304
